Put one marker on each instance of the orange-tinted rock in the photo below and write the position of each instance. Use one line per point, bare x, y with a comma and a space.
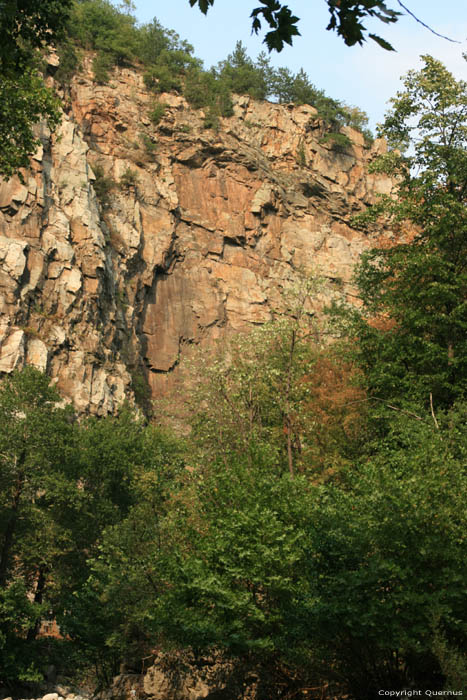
199, 244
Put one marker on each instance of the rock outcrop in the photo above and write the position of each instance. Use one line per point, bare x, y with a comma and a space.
193, 233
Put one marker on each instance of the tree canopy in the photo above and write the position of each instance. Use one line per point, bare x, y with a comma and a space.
28, 23
414, 287
117, 39
26, 26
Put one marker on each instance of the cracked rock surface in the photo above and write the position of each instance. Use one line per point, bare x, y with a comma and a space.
195, 236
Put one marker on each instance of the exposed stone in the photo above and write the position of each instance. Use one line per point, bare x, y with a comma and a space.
12, 351
12, 192
37, 354
161, 686
201, 244
12, 257
263, 196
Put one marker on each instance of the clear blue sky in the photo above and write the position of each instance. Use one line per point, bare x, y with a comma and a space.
364, 76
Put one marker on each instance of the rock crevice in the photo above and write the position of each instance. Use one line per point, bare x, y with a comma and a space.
129, 241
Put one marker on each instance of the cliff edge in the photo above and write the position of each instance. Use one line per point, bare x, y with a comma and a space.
138, 232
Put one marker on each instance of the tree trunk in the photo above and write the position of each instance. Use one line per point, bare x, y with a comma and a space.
38, 596
11, 525
288, 421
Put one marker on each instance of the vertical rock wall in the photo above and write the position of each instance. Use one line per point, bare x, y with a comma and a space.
194, 234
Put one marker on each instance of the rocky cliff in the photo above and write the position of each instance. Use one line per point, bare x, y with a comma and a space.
194, 233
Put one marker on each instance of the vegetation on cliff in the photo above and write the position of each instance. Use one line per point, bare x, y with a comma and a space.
24, 98
311, 526
170, 65
116, 38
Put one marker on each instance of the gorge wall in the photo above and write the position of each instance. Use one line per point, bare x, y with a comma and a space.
196, 236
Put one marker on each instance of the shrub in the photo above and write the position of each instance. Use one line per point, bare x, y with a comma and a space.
206, 89
157, 112
101, 65
98, 25
103, 185
148, 144
157, 45
69, 63
141, 390
211, 119
129, 179
345, 578
241, 75
162, 79
338, 142
301, 156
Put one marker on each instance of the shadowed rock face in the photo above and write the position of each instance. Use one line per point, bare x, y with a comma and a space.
196, 241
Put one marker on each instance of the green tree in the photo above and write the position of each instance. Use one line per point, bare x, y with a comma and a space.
282, 85
99, 25
277, 388
24, 101
154, 39
27, 23
168, 57
254, 392
26, 27
205, 89
414, 288
112, 615
37, 499
62, 483
286, 86
241, 75
289, 87
235, 579
385, 553
124, 467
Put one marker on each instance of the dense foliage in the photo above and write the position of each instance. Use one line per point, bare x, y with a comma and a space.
414, 289
171, 66
25, 27
309, 528
24, 101
61, 484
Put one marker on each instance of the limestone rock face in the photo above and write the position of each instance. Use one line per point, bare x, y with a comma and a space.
194, 233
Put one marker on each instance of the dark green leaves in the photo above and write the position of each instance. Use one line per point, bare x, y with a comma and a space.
382, 42
346, 19
25, 27
28, 23
203, 4
412, 339
24, 101
61, 484
282, 21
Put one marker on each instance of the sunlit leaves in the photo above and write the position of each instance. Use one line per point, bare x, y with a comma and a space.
24, 101
417, 280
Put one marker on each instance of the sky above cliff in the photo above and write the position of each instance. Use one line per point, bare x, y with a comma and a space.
364, 76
